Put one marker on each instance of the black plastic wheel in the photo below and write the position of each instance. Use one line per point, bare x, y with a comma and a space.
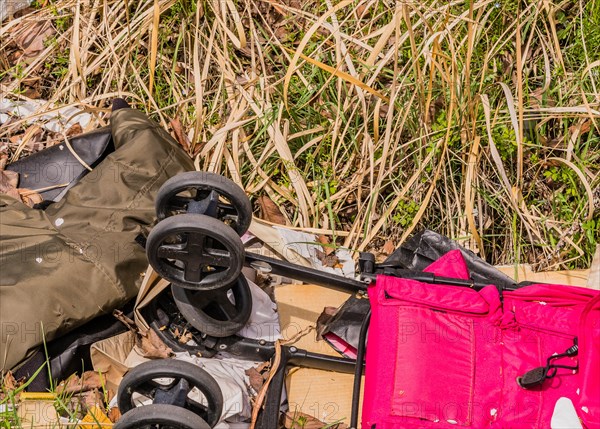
218, 313
168, 323
195, 251
205, 193
160, 416
147, 381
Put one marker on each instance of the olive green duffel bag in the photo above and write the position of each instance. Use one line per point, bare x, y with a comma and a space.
78, 259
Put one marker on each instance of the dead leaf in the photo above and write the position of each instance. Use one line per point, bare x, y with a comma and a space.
298, 420
74, 130
323, 320
29, 197
581, 128
180, 135
8, 183
331, 261
9, 384
388, 247
121, 317
360, 11
114, 414
31, 41
256, 379
325, 243
269, 210
92, 398
185, 337
153, 347
258, 375
88, 381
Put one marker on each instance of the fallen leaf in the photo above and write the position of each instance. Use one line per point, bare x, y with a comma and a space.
31, 41
92, 399
323, 320
331, 261
121, 317
258, 375
256, 379
269, 210
581, 128
29, 197
153, 347
185, 337
8, 184
388, 247
325, 243
114, 414
9, 384
180, 136
88, 381
74, 130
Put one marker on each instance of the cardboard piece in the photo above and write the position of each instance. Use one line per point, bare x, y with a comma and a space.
525, 273
322, 394
38, 413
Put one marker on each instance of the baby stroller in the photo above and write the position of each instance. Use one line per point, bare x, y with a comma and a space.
443, 350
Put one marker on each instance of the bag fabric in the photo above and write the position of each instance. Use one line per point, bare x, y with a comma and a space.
423, 248
79, 259
444, 356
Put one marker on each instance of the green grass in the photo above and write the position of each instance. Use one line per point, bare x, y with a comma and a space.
370, 169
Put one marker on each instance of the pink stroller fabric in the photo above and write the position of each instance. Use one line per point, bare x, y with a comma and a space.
446, 356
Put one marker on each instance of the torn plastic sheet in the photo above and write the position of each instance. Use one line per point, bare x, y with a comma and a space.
54, 120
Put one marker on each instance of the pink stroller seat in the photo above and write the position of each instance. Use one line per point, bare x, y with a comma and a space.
446, 356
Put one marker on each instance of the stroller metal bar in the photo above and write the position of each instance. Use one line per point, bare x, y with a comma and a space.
306, 359
292, 356
308, 275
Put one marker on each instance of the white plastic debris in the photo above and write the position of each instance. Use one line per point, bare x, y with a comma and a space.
565, 415
54, 120
264, 320
10, 7
306, 245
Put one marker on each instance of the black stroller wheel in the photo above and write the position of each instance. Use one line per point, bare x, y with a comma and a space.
169, 381
213, 312
206, 193
172, 328
195, 251
160, 416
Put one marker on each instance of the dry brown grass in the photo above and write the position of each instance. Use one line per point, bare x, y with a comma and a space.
365, 120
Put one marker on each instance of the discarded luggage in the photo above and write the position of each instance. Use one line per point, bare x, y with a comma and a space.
79, 258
